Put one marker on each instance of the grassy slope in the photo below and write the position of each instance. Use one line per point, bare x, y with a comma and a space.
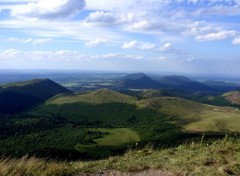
117, 136
197, 117
218, 158
114, 139
193, 117
95, 97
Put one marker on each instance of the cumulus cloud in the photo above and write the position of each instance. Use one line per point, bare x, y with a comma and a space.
61, 55
12, 39
41, 41
67, 59
45, 9
101, 17
112, 18
134, 44
168, 48
107, 5
30, 40
120, 56
159, 25
95, 43
154, 4
236, 41
61, 29
216, 36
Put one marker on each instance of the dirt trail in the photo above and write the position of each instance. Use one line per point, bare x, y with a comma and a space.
117, 173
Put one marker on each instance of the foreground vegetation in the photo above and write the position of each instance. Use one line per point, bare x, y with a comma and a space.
220, 157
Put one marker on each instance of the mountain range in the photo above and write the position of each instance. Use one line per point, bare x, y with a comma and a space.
175, 82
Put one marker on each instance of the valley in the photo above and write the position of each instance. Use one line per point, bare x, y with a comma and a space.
44, 119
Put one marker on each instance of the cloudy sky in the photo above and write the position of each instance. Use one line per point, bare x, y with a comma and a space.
186, 36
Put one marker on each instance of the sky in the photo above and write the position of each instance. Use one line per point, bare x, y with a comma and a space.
184, 36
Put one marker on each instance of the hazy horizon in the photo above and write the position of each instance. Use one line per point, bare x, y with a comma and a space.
29, 70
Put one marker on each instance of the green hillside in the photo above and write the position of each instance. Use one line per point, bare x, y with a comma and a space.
192, 116
197, 117
95, 124
101, 96
17, 97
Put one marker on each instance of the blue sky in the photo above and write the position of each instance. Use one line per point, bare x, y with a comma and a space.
185, 36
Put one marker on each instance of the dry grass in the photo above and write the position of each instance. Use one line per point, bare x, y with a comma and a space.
221, 157
34, 167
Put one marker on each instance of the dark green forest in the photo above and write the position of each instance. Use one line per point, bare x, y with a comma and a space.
51, 135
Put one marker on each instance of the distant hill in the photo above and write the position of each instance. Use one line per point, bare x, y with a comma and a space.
16, 97
221, 85
175, 80
138, 81
185, 84
233, 97
196, 87
134, 76
143, 81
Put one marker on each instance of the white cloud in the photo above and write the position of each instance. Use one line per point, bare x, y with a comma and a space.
120, 56
29, 40
57, 29
112, 18
101, 17
138, 45
160, 25
41, 41
137, 5
12, 39
66, 59
218, 11
216, 36
168, 48
10, 53
95, 43
236, 41
61, 55
46, 9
